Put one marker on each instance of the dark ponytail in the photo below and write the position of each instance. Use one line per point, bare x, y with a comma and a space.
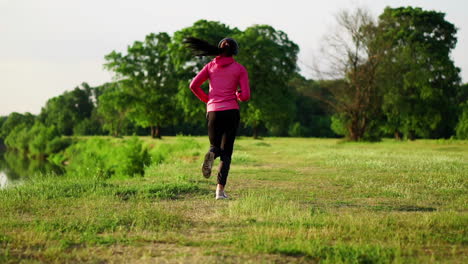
203, 48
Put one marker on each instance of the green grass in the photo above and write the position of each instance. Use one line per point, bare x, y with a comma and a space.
293, 201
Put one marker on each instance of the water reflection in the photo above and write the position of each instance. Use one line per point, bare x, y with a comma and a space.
15, 168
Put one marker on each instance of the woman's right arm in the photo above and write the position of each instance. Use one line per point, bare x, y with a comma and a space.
244, 93
201, 77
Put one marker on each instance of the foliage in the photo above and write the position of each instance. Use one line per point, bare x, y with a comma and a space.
352, 60
338, 125
388, 77
418, 78
19, 139
58, 144
312, 114
69, 109
297, 130
38, 141
270, 58
89, 126
103, 158
2, 121
114, 105
149, 73
462, 126
40, 138
13, 120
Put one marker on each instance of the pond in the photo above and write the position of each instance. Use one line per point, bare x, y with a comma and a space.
17, 169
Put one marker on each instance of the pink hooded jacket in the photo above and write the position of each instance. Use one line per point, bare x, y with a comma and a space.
225, 75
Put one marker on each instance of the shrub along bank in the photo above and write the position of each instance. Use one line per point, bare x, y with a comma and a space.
105, 157
96, 157
37, 141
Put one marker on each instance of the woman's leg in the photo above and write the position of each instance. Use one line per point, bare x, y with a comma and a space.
215, 132
230, 125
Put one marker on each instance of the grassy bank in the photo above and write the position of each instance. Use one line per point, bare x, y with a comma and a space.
293, 200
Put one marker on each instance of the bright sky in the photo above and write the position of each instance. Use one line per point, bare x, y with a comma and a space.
49, 46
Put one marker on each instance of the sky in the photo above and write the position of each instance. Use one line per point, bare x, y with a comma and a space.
50, 46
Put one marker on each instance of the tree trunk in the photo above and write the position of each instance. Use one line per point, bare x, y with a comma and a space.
155, 132
353, 135
158, 132
255, 132
397, 135
356, 132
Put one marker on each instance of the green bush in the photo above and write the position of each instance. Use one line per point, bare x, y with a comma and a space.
19, 139
338, 125
58, 144
298, 130
38, 141
462, 126
86, 127
40, 136
104, 158
13, 120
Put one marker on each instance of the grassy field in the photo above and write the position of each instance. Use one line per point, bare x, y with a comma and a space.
292, 201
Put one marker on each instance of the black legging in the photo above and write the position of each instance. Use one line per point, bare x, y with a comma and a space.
222, 129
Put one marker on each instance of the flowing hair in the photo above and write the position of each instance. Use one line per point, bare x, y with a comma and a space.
203, 48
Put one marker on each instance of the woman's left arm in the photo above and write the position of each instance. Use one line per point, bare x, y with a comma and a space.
201, 77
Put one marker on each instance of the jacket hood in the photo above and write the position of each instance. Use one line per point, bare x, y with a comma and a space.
223, 61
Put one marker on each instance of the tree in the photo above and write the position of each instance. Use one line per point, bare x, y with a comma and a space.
270, 58
69, 109
418, 79
16, 119
352, 60
148, 70
113, 107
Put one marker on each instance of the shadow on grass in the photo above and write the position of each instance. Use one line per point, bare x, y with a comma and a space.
162, 191
397, 208
403, 208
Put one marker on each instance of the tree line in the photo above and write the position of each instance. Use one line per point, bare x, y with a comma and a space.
387, 77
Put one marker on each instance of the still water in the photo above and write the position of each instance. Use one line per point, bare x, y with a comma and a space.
17, 169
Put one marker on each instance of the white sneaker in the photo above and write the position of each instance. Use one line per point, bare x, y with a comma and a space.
221, 195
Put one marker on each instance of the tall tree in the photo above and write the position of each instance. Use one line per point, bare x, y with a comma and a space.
353, 59
418, 78
148, 70
113, 107
270, 58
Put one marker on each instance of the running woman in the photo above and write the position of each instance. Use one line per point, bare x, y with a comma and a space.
229, 83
